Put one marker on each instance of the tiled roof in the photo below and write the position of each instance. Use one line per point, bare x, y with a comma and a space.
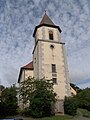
46, 20
29, 65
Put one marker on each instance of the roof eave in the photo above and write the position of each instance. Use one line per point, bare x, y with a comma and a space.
54, 26
20, 75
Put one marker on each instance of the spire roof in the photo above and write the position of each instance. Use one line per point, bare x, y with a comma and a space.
46, 20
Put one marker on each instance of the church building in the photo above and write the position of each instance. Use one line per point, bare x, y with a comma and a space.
49, 60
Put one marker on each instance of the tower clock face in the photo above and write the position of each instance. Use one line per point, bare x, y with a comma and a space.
52, 46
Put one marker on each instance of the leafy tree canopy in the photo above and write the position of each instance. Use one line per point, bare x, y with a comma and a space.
40, 95
83, 99
8, 104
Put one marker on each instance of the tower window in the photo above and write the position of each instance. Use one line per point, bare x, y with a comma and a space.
50, 35
53, 68
54, 80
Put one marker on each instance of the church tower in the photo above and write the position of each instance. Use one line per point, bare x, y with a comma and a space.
49, 58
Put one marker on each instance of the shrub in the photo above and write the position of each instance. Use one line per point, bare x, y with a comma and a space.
83, 99
25, 112
70, 106
84, 112
2, 109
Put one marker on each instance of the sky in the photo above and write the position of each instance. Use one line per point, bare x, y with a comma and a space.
18, 19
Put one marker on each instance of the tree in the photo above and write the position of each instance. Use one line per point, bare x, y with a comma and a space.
9, 101
1, 89
83, 99
40, 95
70, 106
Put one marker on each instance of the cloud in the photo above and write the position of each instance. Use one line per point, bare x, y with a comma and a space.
18, 19
78, 62
84, 83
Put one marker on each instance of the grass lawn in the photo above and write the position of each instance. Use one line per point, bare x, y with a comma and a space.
57, 117
80, 112
83, 112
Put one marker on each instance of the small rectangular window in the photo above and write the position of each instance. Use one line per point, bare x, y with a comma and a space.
54, 80
50, 35
53, 68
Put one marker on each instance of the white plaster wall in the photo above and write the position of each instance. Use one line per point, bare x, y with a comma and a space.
22, 76
25, 74
73, 91
38, 60
51, 56
43, 33
28, 73
55, 56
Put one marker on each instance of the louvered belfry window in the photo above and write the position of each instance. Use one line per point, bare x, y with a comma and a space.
50, 35
53, 68
54, 80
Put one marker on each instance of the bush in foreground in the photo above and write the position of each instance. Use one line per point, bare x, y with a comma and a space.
83, 112
83, 99
70, 106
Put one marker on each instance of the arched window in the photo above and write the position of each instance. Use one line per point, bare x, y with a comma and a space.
50, 35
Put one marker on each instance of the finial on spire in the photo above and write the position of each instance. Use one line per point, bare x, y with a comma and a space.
45, 11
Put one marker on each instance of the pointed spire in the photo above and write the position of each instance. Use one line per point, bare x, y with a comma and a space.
46, 20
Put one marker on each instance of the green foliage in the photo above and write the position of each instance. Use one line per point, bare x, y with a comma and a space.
25, 112
83, 99
8, 104
40, 94
57, 117
70, 106
84, 113
2, 109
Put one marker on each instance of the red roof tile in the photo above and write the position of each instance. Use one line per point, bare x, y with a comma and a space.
29, 65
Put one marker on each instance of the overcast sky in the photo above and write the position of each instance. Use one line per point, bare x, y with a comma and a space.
18, 19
